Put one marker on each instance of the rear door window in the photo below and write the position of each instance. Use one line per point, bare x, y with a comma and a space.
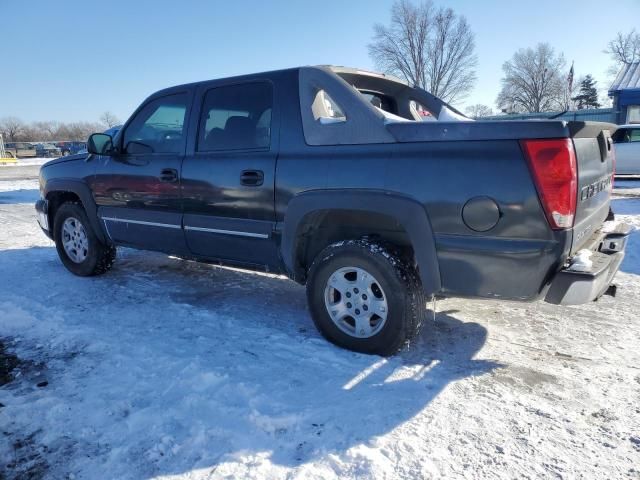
236, 117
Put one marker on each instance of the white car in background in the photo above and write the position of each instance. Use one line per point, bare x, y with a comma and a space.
626, 142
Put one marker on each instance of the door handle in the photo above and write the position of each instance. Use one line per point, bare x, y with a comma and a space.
252, 178
169, 175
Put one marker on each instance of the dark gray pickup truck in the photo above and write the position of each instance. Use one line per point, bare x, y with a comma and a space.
376, 195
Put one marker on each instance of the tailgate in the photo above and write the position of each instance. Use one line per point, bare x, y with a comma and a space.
595, 162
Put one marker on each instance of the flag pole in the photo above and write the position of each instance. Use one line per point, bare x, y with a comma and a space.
569, 86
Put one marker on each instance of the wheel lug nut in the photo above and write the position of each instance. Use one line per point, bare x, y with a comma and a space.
365, 308
357, 311
349, 305
355, 290
348, 294
364, 296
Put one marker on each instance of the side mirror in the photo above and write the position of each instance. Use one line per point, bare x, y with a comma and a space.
100, 144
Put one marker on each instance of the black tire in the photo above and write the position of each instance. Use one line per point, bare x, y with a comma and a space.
99, 257
399, 282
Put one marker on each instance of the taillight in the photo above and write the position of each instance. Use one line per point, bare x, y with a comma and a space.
553, 164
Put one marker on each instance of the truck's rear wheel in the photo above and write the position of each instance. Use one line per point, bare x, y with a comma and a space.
364, 298
77, 244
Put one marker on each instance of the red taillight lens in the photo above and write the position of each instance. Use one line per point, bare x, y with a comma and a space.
553, 164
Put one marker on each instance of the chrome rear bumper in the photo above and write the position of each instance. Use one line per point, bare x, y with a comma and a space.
575, 287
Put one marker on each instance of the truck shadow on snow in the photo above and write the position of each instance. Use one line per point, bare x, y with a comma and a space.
19, 196
236, 366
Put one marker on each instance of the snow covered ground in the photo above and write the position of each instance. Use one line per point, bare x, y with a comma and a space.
164, 368
32, 161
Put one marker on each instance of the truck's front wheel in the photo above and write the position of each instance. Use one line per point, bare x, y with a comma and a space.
78, 246
364, 298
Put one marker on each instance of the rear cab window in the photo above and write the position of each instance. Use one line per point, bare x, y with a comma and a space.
381, 101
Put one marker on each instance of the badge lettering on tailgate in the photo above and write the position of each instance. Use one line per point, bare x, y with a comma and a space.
596, 187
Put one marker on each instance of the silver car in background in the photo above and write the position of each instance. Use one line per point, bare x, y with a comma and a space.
626, 142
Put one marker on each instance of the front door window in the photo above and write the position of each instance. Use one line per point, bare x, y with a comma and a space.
158, 127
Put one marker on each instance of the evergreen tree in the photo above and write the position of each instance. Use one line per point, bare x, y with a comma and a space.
588, 95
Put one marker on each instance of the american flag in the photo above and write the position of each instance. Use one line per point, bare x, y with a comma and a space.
570, 78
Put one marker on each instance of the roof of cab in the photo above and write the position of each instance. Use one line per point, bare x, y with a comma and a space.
235, 77
333, 68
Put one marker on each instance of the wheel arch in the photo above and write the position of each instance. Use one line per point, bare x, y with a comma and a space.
59, 191
394, 218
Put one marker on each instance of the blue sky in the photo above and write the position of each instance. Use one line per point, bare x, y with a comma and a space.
71, 60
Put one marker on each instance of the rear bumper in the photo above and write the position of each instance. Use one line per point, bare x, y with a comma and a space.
573, 287
42, 211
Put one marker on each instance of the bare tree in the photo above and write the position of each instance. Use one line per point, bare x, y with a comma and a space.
432, 48
605, 100
567, 99
109, 119
534, 81
625, 48
78, 131
29, 133
11, 128
47, 130
478, 111
14, 130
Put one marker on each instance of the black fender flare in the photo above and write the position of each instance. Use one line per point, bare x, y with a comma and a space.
83, 192
406, 211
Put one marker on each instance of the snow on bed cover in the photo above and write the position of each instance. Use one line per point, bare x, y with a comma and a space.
165, 368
